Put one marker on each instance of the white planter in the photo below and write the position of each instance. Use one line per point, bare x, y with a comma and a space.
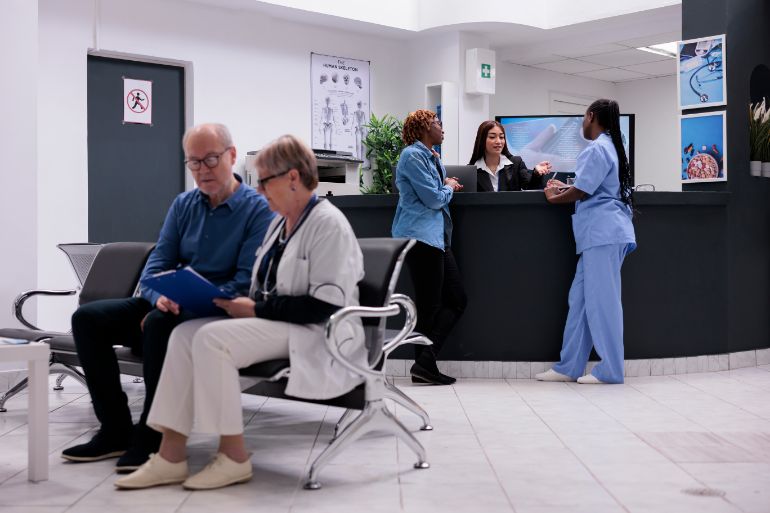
766, 169
366, 178
755, 167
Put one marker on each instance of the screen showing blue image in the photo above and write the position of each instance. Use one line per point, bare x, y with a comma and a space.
701, 73
557, 139
703, 148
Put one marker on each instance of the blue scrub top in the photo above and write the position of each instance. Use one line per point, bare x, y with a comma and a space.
602, 217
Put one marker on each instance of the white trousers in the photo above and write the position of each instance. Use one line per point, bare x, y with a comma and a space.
199, 387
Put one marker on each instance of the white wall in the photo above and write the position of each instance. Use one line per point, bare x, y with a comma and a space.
249, 72
18, 147
430, 59
474, 108
523, 90
657, 154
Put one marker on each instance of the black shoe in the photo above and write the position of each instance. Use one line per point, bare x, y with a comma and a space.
101, 447
134, 457
145, 442
422, 375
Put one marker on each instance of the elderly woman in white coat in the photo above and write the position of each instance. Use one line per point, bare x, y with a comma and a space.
307, 267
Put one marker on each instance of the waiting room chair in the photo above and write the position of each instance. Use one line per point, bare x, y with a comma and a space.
114, 273
383, 260
392, 392
81, 256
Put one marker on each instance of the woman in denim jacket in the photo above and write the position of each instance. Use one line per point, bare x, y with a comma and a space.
423, 214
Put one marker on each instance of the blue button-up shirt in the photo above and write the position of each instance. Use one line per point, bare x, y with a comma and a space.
219, 243
601, 217
423, 204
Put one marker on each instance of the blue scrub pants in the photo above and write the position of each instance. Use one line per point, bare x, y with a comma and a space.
595, 315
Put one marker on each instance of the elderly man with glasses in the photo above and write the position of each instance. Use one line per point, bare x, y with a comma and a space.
216, 229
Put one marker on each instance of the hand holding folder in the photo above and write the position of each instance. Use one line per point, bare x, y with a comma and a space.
189, 289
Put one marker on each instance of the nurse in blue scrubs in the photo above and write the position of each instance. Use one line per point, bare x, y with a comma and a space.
604, 235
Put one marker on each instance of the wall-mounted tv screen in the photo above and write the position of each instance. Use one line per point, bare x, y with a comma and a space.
558, 139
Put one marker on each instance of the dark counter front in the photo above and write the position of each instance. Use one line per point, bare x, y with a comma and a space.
517, 257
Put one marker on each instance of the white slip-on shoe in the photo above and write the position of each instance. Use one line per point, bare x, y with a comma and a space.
156, 472
590, 379
552, 375
220, 472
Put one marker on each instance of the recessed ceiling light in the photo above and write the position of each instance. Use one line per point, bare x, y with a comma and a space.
665, 49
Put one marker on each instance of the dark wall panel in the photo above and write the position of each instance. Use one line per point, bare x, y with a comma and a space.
517, 258
745, 23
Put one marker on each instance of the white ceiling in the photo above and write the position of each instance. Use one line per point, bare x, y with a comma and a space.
603, 49
611, 66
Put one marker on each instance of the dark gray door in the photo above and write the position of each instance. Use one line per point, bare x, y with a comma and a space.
134, 171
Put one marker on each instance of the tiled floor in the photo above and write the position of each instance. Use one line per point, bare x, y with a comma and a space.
693, 442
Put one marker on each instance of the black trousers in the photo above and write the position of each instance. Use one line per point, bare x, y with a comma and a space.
98, 326
439, 296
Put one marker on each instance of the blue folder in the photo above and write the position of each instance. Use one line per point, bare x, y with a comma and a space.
189, 289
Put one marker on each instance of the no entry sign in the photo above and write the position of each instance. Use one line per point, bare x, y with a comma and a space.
137, 101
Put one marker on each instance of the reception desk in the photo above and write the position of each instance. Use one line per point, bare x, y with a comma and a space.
516, 254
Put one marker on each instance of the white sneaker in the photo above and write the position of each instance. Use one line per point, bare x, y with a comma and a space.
552, 375
155, 472
590, 379
220, 472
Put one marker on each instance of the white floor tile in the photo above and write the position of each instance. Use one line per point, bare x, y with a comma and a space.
517, 444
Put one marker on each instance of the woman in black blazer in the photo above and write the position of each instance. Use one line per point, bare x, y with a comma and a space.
497, 169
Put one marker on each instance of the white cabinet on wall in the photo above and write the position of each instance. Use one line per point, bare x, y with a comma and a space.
443, 97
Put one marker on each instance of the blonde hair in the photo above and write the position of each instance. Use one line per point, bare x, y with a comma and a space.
289, 152
416, 124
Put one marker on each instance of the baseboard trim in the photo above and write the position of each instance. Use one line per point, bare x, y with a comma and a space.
633, 368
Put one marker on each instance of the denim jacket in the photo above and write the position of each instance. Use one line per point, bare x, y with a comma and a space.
423, 204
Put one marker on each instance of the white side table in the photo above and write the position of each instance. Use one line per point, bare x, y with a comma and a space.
36, 354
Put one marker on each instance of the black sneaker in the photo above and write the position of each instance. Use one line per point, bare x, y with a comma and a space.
101, 447
422, 375
134, 457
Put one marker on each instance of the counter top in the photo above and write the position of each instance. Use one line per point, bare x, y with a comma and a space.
694, 198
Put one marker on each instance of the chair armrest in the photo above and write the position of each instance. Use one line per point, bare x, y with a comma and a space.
18, 303
341, 315
406, 303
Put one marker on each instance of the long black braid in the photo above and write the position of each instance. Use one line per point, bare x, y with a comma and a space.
607, 113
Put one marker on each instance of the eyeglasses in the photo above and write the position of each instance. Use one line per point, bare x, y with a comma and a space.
261, 182
211, 161
436, 121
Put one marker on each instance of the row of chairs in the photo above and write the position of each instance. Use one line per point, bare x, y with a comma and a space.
114, 270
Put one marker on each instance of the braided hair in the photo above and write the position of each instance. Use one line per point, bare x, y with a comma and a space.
607, 114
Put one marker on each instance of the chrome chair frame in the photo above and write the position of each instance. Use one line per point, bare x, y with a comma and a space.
56, 366
368, 398
392, 392
375, 415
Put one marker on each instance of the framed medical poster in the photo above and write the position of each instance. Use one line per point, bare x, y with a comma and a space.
703, 140
702, 72
340, 103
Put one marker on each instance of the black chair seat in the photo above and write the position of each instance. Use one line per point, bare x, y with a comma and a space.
27, 334
63, 343
265, 369
124, 354
353, 400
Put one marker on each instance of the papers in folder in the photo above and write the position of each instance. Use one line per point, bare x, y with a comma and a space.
189, 289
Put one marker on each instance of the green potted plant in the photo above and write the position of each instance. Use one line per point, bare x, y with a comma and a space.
383, 147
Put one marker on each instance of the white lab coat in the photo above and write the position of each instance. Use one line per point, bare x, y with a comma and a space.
323, 260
